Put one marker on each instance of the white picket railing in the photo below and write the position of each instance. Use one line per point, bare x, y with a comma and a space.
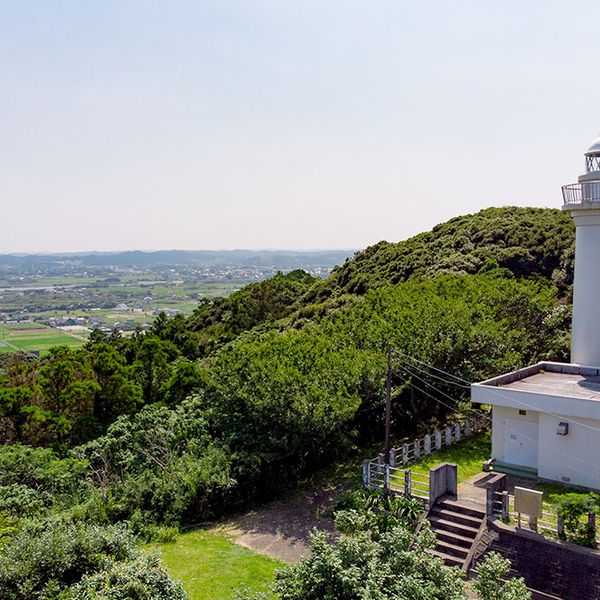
437, 439
395, 478
401, 482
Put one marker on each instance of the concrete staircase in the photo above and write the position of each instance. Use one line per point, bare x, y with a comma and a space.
456, 526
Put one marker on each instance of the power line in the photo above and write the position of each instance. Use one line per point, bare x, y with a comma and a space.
495, 392
464, 381
570, 456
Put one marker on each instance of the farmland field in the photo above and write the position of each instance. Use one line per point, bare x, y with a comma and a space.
27, 337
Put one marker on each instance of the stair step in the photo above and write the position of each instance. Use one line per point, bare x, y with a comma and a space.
462, 509
452, 549
453, 538
455, 517
443, 523
450, 561
516, 470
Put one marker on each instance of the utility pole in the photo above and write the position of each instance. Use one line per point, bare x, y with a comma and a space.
388, 407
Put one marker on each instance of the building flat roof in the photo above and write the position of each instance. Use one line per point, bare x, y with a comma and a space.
555, 379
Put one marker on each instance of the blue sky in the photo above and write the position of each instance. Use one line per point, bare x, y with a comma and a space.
275, 124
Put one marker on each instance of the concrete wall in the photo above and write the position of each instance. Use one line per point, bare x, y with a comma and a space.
500, 416
576, 455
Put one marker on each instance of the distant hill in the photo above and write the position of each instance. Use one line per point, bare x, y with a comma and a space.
513, 241
527, 242
284, 260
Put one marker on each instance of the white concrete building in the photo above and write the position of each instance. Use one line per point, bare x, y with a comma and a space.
546, 418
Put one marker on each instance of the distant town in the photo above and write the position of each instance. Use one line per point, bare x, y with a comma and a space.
59, 299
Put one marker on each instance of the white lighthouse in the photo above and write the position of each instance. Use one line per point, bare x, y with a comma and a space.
546, 417
582, 200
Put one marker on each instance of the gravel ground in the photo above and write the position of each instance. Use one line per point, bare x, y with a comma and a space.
281, 529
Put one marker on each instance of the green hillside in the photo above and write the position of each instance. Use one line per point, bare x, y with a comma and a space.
515, 241
526, 241
137, 437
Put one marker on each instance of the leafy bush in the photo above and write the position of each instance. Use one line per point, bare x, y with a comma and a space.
573, 510
21, 501
55, 558
40, 469
397, 566
140, 579
7, 528
376, 512
492, 583
46, 557
157, 467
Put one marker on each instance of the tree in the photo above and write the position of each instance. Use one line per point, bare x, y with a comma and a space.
118, 394
397, 567
492, 583
153, 366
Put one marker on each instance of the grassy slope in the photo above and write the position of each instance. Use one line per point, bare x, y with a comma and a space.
211, 567
468, 455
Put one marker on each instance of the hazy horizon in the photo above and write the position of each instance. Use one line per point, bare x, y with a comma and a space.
151, 250
284, 125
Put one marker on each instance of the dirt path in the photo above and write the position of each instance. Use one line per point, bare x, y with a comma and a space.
281, 529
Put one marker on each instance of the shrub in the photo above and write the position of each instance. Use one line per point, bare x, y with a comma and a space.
139, 579
21, 501
46, 557
362, 510
397, 566
573, 509
491, 581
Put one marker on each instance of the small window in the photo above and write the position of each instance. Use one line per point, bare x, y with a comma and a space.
522, 412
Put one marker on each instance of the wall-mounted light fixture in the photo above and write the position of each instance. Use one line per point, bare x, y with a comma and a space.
562, 429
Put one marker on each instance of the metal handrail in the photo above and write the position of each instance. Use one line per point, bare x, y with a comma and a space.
579, 193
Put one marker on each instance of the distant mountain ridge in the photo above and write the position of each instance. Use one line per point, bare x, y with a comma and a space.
279, 259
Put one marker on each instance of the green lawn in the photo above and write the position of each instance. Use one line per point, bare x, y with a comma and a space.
553, 492
34, 337
468, 455
211, 567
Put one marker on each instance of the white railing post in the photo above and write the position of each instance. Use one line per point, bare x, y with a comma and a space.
407, 485
457, 431
393, 457
560, 527
366, 473
468, 427
404, 454
448, 436
416, 449
427, 443
438, 439
505, 504
386, 478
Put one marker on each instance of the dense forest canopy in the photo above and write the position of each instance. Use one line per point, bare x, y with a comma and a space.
202, 415
525, 241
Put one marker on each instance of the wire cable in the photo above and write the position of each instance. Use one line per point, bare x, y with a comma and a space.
531, 439
500, 394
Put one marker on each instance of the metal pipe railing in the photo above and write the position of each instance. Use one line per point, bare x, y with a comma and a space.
579, 193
